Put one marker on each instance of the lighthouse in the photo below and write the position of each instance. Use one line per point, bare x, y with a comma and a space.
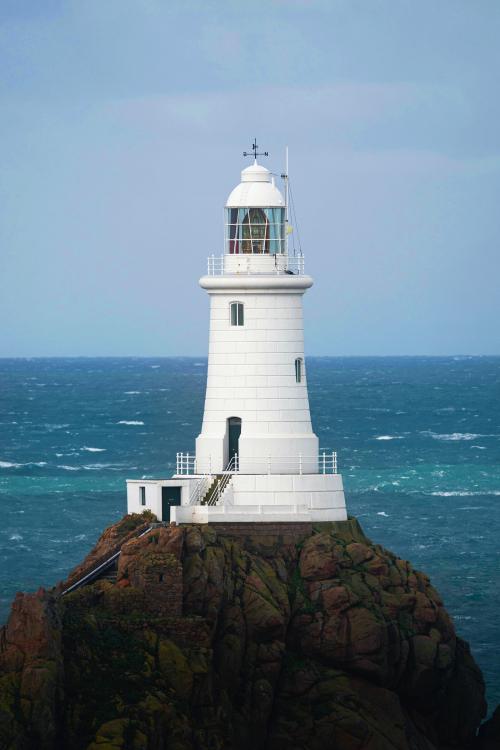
257, 458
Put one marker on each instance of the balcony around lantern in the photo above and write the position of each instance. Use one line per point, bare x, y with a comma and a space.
256, 243
281, 263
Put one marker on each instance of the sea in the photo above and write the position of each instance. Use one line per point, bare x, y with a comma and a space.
418, 443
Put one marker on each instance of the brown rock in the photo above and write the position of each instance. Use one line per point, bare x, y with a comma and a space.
317, 559
275, 637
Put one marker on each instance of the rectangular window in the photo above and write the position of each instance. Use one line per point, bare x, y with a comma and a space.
142, 495
298, 370
237, 313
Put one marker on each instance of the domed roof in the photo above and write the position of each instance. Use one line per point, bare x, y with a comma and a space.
256, 188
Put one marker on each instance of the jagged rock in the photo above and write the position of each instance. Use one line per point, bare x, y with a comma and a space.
489, 733
277, 637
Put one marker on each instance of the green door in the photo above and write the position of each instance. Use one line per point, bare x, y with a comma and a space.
234, 432
169, 496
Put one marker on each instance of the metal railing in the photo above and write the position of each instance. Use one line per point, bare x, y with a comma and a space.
255, 263
323, 463
105, 563
221, 487
186, 464
199, 489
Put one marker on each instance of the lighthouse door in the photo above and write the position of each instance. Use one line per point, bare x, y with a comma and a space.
169, 496
234, 432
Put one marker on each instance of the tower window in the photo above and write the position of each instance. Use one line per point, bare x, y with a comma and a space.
298, 370
142, 495
237, 318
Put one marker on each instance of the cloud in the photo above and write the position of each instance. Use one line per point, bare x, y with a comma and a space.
351, 122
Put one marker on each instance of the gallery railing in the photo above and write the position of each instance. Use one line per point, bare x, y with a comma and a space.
324, 463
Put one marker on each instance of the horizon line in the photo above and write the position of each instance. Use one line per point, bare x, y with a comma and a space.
205, 356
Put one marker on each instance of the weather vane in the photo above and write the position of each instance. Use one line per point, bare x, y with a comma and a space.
255, 152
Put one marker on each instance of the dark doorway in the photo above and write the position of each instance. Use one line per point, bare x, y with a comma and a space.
234, 432
169, 496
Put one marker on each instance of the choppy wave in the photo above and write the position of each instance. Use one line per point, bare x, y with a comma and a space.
98, 467
12, 465
466, 493
131, 393
389, 437
131, 421
92, 450
453, 436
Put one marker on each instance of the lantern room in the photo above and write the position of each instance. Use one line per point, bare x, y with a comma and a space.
255, 215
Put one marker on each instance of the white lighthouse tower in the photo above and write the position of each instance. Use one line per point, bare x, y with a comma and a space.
257, 457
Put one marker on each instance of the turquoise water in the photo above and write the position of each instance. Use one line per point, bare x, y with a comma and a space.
418, 442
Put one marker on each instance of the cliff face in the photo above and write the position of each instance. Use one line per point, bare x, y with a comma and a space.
296, 638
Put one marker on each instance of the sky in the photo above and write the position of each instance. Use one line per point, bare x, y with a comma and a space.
122, 127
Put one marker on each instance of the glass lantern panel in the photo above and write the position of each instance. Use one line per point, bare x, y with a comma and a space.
255, 230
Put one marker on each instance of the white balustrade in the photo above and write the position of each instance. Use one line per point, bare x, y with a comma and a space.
217, 265
324, 463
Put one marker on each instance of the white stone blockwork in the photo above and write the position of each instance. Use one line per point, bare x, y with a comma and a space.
276, 421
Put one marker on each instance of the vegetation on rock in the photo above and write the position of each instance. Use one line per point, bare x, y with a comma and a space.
261, 639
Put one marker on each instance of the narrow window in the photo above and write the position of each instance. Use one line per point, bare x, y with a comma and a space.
298, 370
236, 313
142, 495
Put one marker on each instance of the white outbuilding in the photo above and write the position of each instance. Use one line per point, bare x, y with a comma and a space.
257, 458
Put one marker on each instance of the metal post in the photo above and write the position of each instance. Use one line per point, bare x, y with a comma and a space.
300, 463
324, 462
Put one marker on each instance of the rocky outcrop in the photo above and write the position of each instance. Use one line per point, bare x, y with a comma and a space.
273, 637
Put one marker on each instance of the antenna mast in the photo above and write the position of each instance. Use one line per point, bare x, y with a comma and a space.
287, 198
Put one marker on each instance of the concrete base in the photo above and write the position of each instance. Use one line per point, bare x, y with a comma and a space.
248, 498
253, 514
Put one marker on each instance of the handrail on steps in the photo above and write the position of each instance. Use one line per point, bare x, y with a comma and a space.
106, 563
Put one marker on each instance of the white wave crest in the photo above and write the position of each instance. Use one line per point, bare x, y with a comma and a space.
12, 465
131, 421
92, 450
382, 513
466, 493
389, 437
131, 393
453, 436
68, 468
98, 467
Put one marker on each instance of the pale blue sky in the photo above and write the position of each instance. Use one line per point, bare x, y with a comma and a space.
122, 124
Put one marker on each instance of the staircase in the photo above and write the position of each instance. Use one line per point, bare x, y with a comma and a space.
107, 569
109, 574
215, 493
210, 497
